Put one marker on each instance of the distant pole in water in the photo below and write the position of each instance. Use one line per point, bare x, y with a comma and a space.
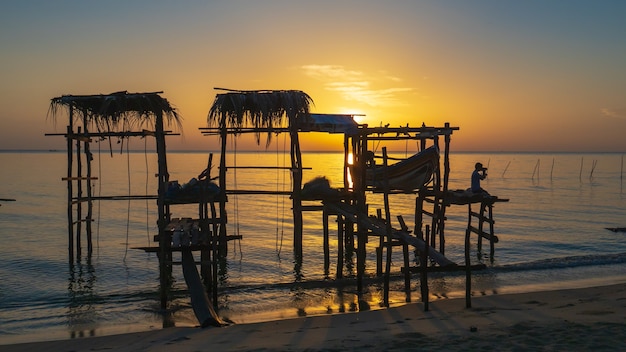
593, 167
552, 169
621, 173
536, 170
580, 174
507, 166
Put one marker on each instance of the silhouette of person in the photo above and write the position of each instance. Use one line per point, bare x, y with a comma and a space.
480, 173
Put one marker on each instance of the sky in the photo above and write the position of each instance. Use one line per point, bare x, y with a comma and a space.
530, 75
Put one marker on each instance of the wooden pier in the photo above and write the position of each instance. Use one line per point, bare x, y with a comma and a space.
368, 170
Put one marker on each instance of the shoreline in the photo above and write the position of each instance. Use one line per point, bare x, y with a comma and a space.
580, 318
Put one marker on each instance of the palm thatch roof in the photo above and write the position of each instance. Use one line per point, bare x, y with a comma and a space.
109, 112
261, 109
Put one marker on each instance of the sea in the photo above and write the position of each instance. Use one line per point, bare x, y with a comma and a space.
552, 235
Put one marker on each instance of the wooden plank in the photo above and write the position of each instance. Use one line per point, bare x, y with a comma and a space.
195, 247
421, 246
378, 228
78, 178
199, 299
482, 217
484, 234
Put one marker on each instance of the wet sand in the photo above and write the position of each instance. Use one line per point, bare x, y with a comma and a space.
576, 319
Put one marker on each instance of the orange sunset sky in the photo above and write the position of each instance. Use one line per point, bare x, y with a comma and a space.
529, 75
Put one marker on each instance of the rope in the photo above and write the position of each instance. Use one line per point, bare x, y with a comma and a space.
129, 193
145, 156
99, 195
279, 245
277, 196
236, 198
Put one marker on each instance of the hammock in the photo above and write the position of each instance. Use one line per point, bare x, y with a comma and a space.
409, 174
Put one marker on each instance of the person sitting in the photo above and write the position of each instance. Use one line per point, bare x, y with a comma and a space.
480, 173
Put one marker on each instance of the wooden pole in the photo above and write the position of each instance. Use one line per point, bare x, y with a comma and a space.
407, 272
491, 233
387, 229
468, 270
165, 254
360, 146
79, 195
88, 159
326, 242
379, 249
296, 166
340, 243
214, 255
481, 222
222, 183
424, 272
70, 191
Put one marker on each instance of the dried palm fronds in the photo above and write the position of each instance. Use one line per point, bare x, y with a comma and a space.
116, 111
263, 109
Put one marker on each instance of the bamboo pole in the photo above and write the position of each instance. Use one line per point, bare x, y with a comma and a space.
593, 167
88, 159
536, 170
381, 246
424, 274
340, 246
580, 173
79, 195
326, 241
165, 255
222, 183
506, 168
387, 230
407, 272
296, 165
70, 191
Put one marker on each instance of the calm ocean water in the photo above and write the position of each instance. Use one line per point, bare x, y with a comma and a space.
552, 235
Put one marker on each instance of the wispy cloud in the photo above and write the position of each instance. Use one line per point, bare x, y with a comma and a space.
614, 112
358, 86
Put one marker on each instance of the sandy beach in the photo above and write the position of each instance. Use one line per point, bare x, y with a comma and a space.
577, 319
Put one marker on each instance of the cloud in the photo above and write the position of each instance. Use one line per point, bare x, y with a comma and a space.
357, 86
614, 112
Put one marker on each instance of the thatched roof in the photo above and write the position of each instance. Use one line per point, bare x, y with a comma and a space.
258, 109
107, 112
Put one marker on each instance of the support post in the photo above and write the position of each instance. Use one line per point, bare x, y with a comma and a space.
326, 241
340, 244
387, 230
70, 191
79, 196
165, 253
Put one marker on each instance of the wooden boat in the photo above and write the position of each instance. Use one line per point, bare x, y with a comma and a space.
409, 174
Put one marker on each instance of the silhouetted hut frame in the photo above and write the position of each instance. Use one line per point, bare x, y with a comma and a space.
104, 116
237, 112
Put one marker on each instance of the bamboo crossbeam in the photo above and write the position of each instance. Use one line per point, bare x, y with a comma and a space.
482, 218
239, 191
267, 167
78, 178
232, 130
82, 136
194, 247
483, 234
